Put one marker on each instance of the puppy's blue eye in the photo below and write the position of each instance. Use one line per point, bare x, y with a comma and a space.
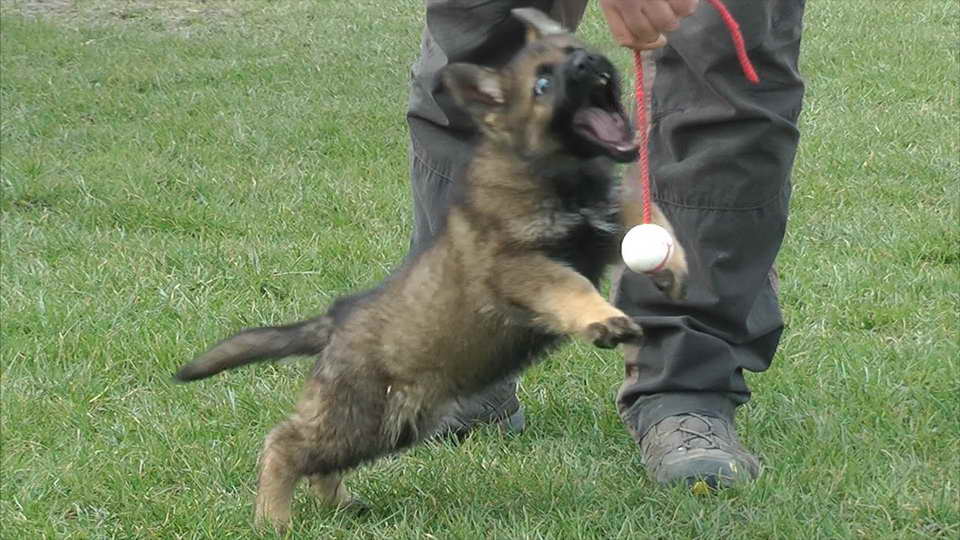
541, 86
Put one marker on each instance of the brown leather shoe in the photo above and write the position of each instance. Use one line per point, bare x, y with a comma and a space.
699, 450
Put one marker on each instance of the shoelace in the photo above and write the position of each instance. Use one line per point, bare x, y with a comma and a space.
708, 436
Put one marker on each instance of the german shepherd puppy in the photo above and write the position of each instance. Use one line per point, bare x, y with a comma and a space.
534, 224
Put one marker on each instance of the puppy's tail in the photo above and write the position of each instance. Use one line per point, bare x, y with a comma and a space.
258, 344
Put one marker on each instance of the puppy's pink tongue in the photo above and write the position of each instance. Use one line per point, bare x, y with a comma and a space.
607, 128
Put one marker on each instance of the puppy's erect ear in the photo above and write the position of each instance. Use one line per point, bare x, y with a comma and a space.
475, 88
539, 24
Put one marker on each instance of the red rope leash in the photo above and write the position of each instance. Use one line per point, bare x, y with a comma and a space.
738, 42
643, 136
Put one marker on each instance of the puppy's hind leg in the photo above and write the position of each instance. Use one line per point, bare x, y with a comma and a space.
335, 428
331, 491
281, 467
389, 424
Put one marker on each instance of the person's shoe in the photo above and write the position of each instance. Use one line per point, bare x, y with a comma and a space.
497, 405
700, 451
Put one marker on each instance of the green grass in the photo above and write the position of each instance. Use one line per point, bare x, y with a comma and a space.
172, 171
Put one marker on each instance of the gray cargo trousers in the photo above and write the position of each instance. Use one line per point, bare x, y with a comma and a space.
721, 152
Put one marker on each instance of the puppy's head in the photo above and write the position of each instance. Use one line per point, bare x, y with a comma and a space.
554, 97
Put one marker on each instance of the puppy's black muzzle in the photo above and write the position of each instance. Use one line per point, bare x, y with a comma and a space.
583, 73
590, 116
586, 68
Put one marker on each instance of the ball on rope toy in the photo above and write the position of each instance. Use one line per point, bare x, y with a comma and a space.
646, 248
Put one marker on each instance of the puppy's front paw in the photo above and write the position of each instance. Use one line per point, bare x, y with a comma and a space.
613, 331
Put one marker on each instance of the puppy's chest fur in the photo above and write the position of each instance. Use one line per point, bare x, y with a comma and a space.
580, 225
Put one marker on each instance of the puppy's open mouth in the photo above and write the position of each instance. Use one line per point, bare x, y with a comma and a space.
601, 121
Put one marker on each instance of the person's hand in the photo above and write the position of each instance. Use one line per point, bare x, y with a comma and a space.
641, 24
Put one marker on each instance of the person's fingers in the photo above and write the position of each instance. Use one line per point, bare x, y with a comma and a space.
660, 15
615, 23
640, 25
637, 23
683, 8
655, 44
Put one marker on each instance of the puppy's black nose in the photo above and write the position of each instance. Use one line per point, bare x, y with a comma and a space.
585, 64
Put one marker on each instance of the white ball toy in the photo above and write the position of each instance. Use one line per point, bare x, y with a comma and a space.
646, 248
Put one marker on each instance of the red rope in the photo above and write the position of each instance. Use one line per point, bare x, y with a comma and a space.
643, 136
738, 42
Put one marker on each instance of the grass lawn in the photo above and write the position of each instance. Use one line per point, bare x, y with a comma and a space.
175, 170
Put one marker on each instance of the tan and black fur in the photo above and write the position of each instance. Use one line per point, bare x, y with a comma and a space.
533, 226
